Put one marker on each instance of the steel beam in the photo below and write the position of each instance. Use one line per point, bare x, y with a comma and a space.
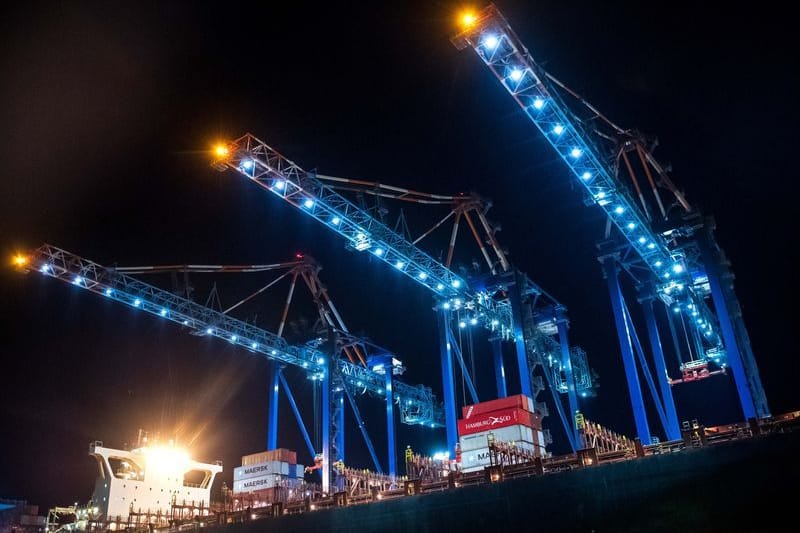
325, 384
390, 437
272, 417
448, 384
672, 427
297, 415
460, 358
515, 299
338, 400
499, 369
611, 271
566, 364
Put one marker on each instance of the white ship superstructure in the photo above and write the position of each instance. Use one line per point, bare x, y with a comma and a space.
149, 484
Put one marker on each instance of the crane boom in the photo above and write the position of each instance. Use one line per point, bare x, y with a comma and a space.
498, 46
111, 284
263, 165
683, 265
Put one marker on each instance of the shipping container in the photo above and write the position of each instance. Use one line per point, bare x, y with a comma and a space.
518, 401
479, 459
515, 434
257, 470
282, 455
498, 419
300, 471
256, 483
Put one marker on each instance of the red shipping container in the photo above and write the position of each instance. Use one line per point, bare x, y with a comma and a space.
518, 401
498, 419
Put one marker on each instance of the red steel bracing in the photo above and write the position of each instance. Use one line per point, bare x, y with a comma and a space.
286, 306
646, 168
442, 221
390, 191
259, 291
463, 205
635, 182
480, 242
644, 153
453, 236
160, 269
493, 240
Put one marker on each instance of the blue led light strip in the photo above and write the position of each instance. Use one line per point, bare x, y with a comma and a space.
492, 38
263, 165
108, 283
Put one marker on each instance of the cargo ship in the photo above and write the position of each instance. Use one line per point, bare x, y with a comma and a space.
152, 485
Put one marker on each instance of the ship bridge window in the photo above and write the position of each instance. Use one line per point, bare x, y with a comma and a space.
197, 478
125, 468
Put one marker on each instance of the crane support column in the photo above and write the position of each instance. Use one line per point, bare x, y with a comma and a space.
515, 298
672, 428
566, 364
325, 385
747, 379
499, 369
338, 402
611, 271
448, 384
272, 417
390, 439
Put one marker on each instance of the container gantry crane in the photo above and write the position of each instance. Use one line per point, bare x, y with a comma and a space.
513, 317
668, 250
336, 374
356, 349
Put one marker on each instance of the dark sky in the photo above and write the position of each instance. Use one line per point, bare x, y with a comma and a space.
107, 109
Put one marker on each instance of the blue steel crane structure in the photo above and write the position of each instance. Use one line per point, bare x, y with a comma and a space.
507, 303
669, 251
335, 374
356, 349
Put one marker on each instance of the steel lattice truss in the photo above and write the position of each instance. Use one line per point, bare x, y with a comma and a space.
495, 42
419, 406
263, 165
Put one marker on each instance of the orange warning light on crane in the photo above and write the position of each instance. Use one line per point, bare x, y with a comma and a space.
221, 151
468, 18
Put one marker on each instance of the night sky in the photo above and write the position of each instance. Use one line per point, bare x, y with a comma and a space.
108, 110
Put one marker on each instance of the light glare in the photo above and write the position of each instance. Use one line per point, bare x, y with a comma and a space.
491, 42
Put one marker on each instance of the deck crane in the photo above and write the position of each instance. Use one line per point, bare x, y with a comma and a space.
344, 376
512, 317
668, 250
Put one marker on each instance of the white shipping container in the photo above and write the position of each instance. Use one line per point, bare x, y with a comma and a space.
479, 459
257, 470
301, 470
540, 439
256, 483
285, 469
517, 433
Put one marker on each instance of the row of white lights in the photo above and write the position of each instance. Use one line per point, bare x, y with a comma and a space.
137, 302
490, 42
362, 240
